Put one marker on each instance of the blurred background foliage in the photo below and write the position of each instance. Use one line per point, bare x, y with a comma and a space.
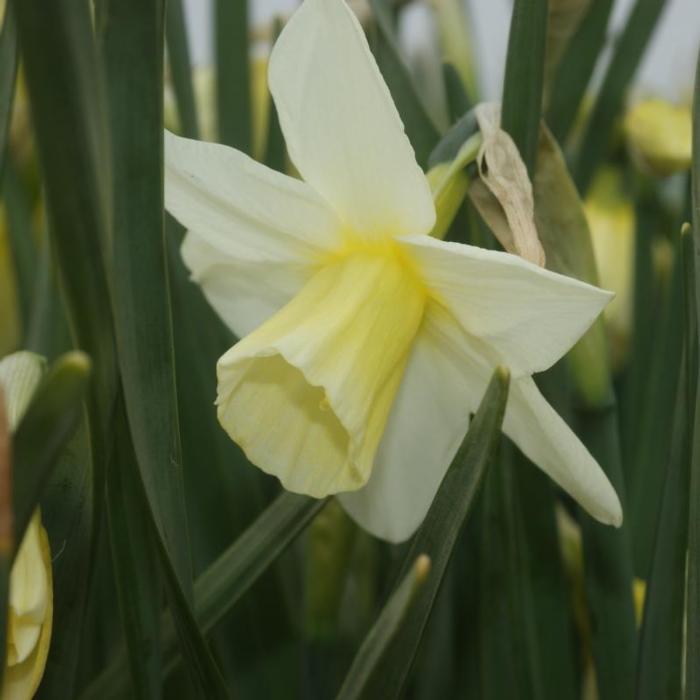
204, 580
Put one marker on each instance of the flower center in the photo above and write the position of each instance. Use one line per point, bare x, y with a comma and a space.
307, 395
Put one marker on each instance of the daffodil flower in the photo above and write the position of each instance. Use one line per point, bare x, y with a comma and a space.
30, 602
366, 343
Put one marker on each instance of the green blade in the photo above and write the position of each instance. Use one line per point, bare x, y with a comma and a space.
48, 424
181, 68
421, 131
524, 79
134, 558
8, 74
62, 70
133, 51
438, 534
659, 662
233, 92
575, 69
20, 229
563, 230
629, 50
67, 515
219, 588
692, 651
384, 630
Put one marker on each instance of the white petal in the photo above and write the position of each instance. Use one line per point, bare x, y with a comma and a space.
254, 234
427, 423
527, 316
341, 126
543, 436
244, 293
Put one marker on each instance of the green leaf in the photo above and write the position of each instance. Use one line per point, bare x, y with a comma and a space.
448, 147
608, 565
370, 655
524, 78
629, 50
135, 561
219, 588
659, 663
458, 102
650, 435
525, 623
233, 91
16, 198
181, 68
67, 514
692, 652
563, 230
421, 131
48, 424
275, 148
8, 74
575, 69
438, 534
62, 70
133, 51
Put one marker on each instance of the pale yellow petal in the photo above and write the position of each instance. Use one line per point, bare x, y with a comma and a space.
241, 207
543, 436
529, 317
22, 678
428, 421
307, 395
341, 127
254, 234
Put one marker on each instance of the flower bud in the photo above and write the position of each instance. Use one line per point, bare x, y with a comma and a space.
30, 603
659, 137
30, 614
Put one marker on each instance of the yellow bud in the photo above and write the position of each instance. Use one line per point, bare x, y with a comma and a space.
449, 190
30, 615
659, 136
449, 183
30, 603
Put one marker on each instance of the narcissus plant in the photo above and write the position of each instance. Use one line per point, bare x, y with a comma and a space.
366, 343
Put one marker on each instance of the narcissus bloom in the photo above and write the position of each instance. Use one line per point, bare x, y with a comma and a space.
30, 614
366, 343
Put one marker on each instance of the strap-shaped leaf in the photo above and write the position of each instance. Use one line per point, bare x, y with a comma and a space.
524, 79
8, 74
181, 68
135, 562
387, 626
233, 93
575, 68
437, 537
132, 43
692, 652
48, 424
660, 658
629, 50
219, 588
